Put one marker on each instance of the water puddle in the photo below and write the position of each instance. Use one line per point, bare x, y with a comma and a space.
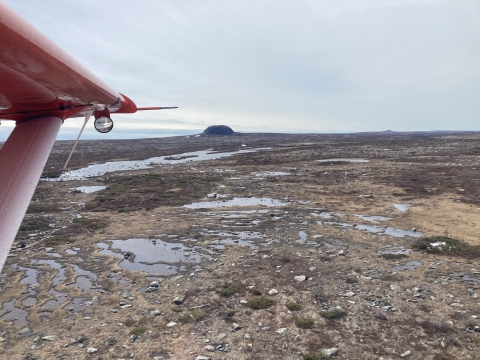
17, 315
30, 276
60, 277
247, 243
30, 301
120, 280
89, 189
401, 207
78, 305
58, 299
325, 215
71, 252
113, 166
470, 278
151, 256
389, 231
270, 173
410, 265
83, 283
374, 219
251, 201
345, 160
302, 236
395, 251
80, 271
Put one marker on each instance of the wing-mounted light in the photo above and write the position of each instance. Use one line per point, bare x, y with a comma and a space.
103, 124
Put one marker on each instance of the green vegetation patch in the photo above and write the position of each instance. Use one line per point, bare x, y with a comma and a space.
351, 280
89, 224
229, 289
229, 313
261, 302
187, 319
39, 224
198, 314
195, 316
304, 322
148, 191
53, 174
333, 314
293, 306
390, 278
177, 310
443, 356
256, 292
139, 330
34, 208
445, 245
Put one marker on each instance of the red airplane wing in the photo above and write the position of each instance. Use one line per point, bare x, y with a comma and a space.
40, 86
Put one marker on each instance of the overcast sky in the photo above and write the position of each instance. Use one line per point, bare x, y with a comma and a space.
274, 65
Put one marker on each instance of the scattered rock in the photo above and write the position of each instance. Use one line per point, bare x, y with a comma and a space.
201, 357
300, 278
210, 348
179, 300
171, 324
406, 353
92, 350
329, 352
273, 292
49, 338
396, 288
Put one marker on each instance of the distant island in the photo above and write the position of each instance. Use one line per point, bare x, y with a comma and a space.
216, 130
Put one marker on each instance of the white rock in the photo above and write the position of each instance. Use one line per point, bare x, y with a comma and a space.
92, 350
201, 357
171, 324
273, 292
456, 304
395, 288
329, 352
49, 338
350, 294
300, 278
210, 348
406, 353
281, 331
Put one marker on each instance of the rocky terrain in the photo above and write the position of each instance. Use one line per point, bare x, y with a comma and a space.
259, 246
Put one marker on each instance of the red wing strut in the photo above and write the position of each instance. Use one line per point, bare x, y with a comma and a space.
40, 87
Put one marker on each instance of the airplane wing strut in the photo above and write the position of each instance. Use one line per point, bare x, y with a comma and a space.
22, 159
